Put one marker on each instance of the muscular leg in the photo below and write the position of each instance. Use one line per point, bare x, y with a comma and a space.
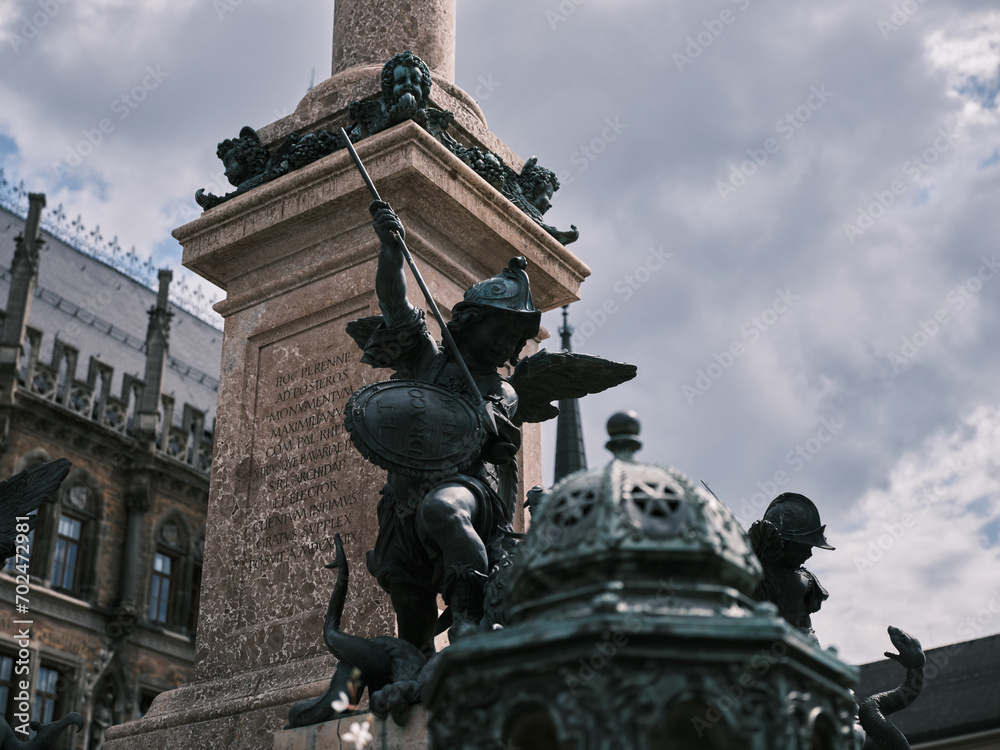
416, 614
444, 520
445, 525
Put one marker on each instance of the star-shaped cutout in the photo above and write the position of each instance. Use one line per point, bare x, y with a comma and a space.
654, 502
572, 509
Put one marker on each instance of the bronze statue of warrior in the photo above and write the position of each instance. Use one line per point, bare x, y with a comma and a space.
449, 500
783, 540
441, 534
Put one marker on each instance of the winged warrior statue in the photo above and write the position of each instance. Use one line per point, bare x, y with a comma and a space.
446, 512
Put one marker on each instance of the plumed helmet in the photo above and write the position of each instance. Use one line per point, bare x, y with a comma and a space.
509, 290
797, 520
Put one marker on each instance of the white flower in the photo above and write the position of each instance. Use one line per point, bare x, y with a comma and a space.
359, 735
342, 703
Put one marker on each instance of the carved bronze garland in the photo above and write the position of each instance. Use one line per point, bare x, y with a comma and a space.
406, 85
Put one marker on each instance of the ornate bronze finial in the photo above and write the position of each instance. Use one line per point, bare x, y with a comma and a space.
623, 431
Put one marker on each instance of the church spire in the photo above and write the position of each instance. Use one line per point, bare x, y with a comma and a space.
571, 454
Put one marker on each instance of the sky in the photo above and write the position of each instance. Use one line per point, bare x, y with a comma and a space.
790, 211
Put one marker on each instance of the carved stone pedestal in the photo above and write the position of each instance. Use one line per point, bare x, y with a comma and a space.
297, 258
385, 734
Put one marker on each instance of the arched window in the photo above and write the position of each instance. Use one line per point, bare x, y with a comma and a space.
163, 585
29, 459
66, 563
8, 688
173, 570
18, 559
67, 540
46, 695
824, 731
530, 727
693, 724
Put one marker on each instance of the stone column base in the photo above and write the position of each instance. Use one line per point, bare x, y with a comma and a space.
237, 711
298, 259
385, 734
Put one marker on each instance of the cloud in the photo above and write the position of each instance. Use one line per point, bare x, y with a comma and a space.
968, 52
653, 186
921, 554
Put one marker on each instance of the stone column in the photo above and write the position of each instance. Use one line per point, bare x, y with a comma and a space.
157, 347
297, 259
366, 33
137, 501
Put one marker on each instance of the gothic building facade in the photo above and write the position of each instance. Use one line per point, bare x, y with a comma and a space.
97, 367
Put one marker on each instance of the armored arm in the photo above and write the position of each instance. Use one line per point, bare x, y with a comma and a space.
390, 281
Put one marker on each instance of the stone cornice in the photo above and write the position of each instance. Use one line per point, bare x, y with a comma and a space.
69, 610
164, 642
57, 606
105, 444
426, 183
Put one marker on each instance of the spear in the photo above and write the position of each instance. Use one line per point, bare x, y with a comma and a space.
484, 409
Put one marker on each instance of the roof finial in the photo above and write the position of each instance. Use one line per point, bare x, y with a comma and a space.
623, 431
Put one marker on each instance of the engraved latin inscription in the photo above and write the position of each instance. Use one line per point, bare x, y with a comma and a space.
300, 455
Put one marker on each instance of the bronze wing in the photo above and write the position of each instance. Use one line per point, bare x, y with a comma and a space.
22, 494
549, 376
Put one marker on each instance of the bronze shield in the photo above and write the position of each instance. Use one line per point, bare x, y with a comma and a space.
414, 428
